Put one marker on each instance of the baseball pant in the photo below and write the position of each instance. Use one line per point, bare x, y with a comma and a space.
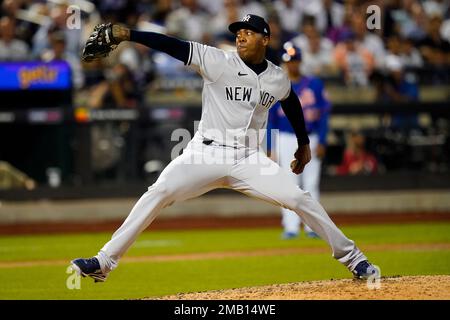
202, 168
308, 180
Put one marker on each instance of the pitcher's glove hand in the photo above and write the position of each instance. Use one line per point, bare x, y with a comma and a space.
100, 43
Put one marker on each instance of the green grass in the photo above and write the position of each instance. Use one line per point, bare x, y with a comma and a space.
141, 279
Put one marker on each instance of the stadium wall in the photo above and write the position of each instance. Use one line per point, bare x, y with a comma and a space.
226, 206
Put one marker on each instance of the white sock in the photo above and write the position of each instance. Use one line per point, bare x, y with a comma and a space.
106, 263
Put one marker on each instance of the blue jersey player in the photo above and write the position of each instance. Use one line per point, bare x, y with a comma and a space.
316, 109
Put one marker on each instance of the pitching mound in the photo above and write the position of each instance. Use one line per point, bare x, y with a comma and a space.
412, 287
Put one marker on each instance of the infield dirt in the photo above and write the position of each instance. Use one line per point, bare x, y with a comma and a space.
392, 288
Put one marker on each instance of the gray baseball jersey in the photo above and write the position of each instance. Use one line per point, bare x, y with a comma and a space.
235, 99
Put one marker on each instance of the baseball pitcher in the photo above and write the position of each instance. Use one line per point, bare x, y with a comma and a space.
239, 89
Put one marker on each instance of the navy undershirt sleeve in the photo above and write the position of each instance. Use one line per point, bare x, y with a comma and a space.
293, 110
179, 49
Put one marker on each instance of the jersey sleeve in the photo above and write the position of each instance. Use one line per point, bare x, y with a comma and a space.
286, 87
206, 60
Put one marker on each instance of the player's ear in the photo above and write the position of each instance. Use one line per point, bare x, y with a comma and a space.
266, 40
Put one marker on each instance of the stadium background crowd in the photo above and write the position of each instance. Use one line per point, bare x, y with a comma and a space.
335, 42
410, 49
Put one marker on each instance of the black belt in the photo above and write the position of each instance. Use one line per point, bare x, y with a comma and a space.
209, 141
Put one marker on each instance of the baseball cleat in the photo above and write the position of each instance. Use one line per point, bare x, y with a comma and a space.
364, 270
289, 235
89, 267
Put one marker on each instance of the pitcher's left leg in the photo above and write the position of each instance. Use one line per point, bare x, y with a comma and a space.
289, 219
260, 177
311, 176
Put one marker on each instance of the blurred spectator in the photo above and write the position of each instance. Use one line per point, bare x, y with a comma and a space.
110, 5
23, 29
93, 74
253, 7
333, 15
389, 22
213, 7
233, 10
410, 55
394, 45
161, 11
140, 63
11, 49
353, 60
122, 87
10, 7
335, 32
58, 51
169, 68
410, 20
278, 36
396, 87
308, 28
58, 22
369, 40
435, 7
404, 50
189, 22
315, 9
356, 159
435, 50
290, 14
125, 11
138, 60
220, 22
117, 91
445, 29
317, 51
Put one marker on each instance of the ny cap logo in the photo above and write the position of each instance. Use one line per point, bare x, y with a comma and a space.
246, 18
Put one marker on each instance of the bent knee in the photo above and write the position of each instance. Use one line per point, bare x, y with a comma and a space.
296, 199
162, 192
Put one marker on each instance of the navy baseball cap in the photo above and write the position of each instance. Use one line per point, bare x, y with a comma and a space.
291, 52
251, 22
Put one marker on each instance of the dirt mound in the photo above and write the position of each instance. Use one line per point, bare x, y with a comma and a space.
391, 288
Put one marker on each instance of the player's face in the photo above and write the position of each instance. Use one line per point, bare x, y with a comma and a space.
251, 46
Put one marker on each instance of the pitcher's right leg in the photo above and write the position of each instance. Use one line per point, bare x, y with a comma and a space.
184, 178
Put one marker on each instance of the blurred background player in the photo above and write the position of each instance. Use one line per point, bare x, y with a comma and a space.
316, 108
